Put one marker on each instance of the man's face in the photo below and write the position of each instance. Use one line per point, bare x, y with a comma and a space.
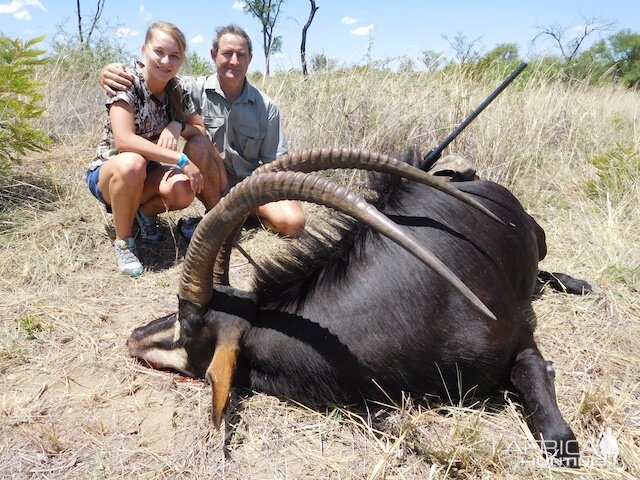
232, 59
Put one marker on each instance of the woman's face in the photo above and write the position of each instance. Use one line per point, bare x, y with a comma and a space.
162, 56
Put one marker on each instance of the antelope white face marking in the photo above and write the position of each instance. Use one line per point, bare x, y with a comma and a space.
176, 359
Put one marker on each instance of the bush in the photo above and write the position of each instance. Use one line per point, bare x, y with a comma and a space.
197, 66
617, 172
19, 100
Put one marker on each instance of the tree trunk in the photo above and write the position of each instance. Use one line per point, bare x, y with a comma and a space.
84, 41
303, 45
80, 36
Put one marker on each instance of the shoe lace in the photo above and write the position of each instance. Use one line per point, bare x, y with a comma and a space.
127, 254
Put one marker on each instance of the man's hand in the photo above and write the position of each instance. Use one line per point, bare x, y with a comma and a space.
113, 77
195, 177
170, 135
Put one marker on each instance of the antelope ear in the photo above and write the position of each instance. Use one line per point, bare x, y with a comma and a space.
220, 375
229, 332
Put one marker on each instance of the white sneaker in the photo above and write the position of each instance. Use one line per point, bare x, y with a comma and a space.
127, 257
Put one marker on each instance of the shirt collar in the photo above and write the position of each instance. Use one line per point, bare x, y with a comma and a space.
248, 92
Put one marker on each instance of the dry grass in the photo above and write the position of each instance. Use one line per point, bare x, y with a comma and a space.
73, 405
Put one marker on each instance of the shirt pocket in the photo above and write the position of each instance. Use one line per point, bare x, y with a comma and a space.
215, 130
250, 141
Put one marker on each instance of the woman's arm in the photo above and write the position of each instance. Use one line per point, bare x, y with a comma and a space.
171, 134
122, 119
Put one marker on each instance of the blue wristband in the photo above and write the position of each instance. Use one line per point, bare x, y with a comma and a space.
182, 161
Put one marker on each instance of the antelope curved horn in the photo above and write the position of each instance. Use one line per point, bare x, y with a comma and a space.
196, 287
338, 158
341, 158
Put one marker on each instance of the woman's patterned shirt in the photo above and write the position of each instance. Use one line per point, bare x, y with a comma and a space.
151, 115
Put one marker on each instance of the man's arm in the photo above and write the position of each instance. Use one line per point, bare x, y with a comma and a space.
114, 77
275, 143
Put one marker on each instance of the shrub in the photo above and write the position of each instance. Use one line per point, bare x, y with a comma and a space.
197, 65
19, 100
617, 171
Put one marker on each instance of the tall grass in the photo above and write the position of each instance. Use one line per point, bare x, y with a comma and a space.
74, 406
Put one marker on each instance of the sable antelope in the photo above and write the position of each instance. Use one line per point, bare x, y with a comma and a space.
362, 317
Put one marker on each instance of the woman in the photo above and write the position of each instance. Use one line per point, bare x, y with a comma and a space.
143, 127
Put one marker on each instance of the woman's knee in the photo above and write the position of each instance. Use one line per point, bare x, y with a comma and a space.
131, 167
178, 194
124, 171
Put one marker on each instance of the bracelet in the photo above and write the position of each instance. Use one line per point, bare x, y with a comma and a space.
182, 161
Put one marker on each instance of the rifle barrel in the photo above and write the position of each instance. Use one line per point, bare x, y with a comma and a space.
435, 153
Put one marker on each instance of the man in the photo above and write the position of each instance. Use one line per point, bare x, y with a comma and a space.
241, 122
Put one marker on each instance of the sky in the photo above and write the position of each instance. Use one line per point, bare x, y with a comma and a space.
348, 31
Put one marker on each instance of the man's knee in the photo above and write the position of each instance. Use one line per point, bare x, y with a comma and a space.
293, 225
197, 148
285, 218
206, 157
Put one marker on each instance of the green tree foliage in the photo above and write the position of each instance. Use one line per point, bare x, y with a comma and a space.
432, 60
267, 12
406, 65
320, 62
19, 100
196, 65
503, 58
624, 49
503, 52
616, 58
86, 60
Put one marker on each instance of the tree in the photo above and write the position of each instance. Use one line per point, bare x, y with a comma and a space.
625, 50
321, 62
503, 55
84, 40
432, 60
569, 48
303, 45
464, 50
266, 11
406, 65
503, 52
19, 100
196, 65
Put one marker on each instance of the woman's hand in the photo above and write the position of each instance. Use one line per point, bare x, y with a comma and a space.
195, 177
170, 135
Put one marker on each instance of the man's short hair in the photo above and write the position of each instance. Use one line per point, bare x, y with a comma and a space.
233, 30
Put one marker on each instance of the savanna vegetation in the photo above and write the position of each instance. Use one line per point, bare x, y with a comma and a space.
565, 137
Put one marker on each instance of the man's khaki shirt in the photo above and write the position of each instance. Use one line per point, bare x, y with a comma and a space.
247, 132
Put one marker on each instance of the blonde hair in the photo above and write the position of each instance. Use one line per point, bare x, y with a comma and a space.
174, 92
